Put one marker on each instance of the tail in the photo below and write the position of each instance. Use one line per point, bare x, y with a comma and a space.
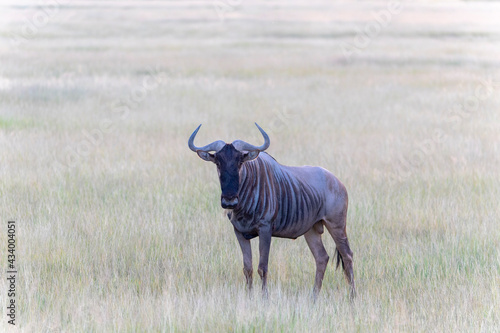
339, 259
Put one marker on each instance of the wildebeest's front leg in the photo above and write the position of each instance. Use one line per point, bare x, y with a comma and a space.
246, 249
265, 235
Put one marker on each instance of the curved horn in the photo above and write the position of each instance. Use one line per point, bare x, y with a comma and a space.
214, 146
242, 145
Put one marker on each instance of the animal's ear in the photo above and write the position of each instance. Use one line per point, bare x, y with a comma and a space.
206, 156
251, 155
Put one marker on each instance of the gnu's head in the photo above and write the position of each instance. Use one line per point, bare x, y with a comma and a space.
229, 158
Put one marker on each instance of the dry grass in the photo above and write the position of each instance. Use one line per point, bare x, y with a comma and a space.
122, 231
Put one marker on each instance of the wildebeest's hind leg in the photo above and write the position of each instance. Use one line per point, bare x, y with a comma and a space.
337, 229
313, 239
246, 249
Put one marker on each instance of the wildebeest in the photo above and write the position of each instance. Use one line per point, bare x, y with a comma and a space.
264, 198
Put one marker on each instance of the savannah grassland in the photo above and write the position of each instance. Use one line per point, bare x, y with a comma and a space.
119, 226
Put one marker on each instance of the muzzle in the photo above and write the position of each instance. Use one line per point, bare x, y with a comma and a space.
229, 203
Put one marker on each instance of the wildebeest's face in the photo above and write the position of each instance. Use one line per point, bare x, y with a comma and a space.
229, 161
229, 158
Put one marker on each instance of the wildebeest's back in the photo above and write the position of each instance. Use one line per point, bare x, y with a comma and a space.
290, 198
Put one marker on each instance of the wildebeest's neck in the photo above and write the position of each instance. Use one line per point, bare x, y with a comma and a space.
256, 184
272, 192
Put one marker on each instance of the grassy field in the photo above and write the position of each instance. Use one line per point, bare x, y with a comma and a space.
119, 224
